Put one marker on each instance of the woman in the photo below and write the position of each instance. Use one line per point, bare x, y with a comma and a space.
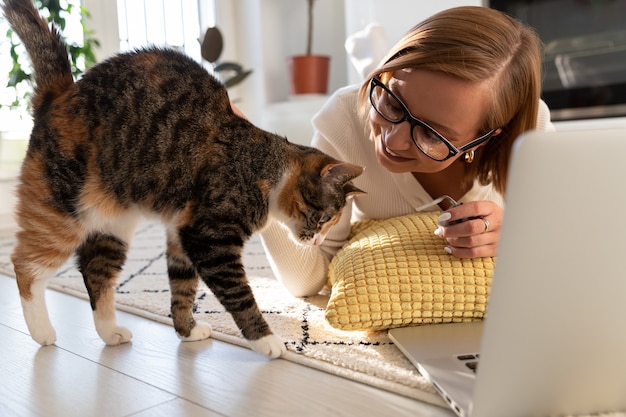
437, 118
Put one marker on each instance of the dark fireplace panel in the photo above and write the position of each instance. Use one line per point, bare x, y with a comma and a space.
585, 53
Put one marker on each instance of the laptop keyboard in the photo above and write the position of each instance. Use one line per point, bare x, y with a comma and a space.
470, 360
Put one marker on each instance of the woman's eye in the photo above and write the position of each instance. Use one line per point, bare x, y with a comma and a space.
391, 107
433, 138
427, 136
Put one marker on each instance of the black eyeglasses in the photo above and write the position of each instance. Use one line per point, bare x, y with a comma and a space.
427, 139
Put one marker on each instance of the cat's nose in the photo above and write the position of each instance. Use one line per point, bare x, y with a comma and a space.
318, 239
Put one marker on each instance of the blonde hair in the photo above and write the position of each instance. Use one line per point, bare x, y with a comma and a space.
478, 44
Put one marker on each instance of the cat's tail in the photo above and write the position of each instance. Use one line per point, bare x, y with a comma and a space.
47, 51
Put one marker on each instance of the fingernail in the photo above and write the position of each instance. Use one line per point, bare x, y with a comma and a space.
444, 217
448, 249
439, 231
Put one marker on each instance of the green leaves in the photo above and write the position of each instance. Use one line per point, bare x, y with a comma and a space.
82, 56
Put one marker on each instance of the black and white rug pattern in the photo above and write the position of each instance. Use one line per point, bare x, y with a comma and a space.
367, 357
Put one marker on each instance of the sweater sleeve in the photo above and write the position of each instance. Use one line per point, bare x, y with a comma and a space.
300, 269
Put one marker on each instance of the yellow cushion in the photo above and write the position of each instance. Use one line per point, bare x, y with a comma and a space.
395, 272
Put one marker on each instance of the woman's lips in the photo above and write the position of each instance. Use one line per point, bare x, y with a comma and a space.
392, 155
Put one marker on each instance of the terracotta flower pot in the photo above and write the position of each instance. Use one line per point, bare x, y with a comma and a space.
308, 74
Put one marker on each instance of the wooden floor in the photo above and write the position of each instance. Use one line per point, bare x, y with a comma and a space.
156, 375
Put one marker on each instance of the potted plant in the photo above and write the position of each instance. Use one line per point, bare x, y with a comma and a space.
81, 56
309, 72
229, 73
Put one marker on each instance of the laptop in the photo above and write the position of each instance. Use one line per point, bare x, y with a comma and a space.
554, 338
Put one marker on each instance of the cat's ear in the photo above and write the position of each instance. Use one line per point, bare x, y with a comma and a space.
341, 173
351, 190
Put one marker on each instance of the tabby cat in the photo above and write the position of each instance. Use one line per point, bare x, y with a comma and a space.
151, 132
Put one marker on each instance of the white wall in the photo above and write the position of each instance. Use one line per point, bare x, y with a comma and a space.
261, 34
396, 16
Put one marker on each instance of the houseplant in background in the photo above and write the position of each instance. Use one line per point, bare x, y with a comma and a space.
229, 73
81, 55
309, 73
15, 122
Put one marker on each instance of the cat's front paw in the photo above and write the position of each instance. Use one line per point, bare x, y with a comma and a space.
108, 330
200, 331
117, 336
270, 346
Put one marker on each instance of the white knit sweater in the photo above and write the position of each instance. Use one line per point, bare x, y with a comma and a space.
343, 134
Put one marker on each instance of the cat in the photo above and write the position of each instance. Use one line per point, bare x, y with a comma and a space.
152, 133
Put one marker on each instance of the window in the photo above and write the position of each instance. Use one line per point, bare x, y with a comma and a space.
176, 23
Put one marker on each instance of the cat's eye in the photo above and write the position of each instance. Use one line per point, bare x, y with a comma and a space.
324, 219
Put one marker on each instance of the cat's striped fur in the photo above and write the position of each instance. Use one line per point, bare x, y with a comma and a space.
151, 132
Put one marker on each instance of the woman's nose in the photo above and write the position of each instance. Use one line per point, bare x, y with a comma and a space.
396, 136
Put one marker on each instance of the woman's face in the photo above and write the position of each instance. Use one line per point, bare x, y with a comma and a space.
454, 108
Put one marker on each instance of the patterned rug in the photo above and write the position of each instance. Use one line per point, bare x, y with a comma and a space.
367, 357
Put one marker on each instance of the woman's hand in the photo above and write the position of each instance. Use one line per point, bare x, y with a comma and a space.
472, 230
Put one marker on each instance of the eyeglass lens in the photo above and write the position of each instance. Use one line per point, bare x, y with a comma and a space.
391, 109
